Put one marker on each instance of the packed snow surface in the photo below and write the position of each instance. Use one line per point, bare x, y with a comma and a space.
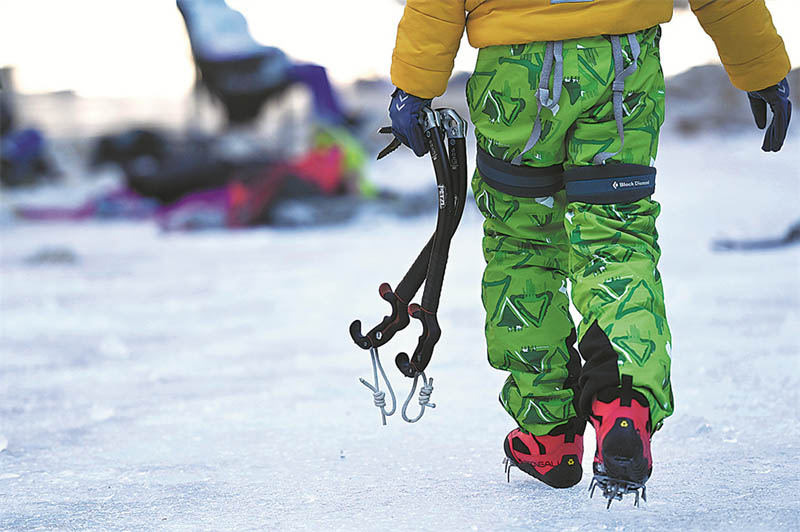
207, 381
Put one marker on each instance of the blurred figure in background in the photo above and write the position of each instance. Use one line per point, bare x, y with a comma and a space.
244, 74
23, 151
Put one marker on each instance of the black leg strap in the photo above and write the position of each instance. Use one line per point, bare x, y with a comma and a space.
610, 183
522, 181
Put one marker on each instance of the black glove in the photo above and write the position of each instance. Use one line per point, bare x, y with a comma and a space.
777, 97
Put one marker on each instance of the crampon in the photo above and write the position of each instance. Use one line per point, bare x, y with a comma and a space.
614, 489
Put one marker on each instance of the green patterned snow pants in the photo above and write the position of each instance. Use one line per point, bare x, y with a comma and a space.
533, 246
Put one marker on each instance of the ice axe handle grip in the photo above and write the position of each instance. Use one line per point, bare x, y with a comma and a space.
425, 344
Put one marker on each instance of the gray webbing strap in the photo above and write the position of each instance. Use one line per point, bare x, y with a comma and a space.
618, 88
554, 53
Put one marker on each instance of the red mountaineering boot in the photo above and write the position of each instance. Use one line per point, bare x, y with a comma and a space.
555, 459
622, 462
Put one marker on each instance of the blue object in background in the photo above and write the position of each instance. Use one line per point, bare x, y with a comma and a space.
22, 155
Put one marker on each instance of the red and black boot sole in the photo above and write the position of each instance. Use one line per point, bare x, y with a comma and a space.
622, 471
623, 460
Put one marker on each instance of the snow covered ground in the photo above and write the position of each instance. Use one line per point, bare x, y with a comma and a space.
207, 381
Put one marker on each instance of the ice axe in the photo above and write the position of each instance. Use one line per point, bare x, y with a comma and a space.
450, 168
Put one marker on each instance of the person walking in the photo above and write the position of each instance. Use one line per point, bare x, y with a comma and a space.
567, 100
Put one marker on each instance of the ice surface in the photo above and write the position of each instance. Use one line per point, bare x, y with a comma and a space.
207, 381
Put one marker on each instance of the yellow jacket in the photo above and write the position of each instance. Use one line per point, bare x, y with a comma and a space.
430, 31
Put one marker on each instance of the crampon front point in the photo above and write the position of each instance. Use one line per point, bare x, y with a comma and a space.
614, 489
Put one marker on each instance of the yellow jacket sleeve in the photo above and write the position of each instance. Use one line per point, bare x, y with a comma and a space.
427, 42
748, 44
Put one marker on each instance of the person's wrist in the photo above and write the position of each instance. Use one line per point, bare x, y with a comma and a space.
398, 90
